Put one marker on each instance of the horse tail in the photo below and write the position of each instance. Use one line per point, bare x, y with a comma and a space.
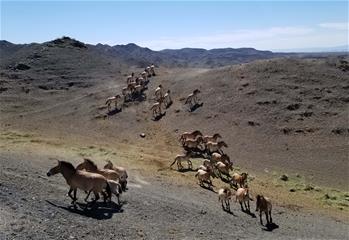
107, 102
108, 189
196, 175
173, 162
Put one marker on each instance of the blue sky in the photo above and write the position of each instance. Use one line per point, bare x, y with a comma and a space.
167, 24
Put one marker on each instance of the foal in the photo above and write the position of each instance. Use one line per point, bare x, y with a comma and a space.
86, 181
263, 204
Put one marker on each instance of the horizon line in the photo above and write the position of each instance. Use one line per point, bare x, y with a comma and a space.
286, 50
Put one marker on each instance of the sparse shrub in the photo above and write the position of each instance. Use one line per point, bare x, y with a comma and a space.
308, 187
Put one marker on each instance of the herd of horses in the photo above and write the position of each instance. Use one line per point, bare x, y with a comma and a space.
134, 90
113, 179
217, 164
135, 87
91, 179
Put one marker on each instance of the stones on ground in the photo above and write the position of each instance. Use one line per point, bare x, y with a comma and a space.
142, 135
22, 66
293, 107
253, 123
284, 177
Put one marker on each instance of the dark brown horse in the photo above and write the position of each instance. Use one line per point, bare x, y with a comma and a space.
263, 204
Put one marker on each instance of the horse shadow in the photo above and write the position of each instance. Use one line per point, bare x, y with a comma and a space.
196, 106
270, 227
99, 210
248, 212
139, 97
115, 111
195, 153
229, 212
184, 170
158, 117
226, 179
169, 105
208, 188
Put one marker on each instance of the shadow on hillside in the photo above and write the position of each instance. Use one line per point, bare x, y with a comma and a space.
169, 104
229, 211
249, 213
210, 188
270, 227
99, 211
115, 111
158, 117
196, 106
184, 170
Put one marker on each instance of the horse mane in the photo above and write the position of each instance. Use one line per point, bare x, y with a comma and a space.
196, 132
68, 165
89, 161
196, 91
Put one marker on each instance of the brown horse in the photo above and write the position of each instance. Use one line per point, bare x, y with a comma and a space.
213, 138
189, 135
242, 195
114, 99
239, 179
192, 98
215, 147
180, 159
86, 181
224, 195
90, 166
263, 204
121, 171
156, 108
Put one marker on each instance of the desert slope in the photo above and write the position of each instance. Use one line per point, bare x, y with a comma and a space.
286, 115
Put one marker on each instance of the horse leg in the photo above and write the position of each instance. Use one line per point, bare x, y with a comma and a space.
245, 205
118, 197
241, 206
266, 216
105, 196
88, 194
96, 198
69, 194
248, 204
271, 220
260, 217
190, 165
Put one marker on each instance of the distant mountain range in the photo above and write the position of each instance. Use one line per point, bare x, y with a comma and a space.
344, 48
134, 55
